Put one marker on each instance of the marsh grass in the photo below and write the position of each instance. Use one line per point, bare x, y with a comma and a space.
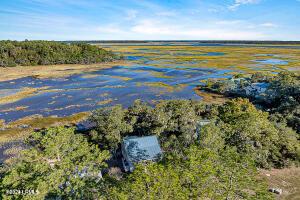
25, 92
18, 108
54, 71
13, 131
87, 76
211, 98
104, 102
169, 88
123, 78
238, 57
105, 94
160, 75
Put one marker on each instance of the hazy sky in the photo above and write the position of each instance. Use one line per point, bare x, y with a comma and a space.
150, 19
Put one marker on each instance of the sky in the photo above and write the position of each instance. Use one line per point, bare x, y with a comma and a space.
150, 19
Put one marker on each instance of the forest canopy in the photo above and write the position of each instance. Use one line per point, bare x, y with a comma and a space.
26, 53
218, 163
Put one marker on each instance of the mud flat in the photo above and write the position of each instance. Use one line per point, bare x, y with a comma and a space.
48, 71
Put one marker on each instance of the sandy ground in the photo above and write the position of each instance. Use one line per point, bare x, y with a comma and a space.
47, 71
287, 179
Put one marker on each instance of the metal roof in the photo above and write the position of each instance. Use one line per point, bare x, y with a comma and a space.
142, 148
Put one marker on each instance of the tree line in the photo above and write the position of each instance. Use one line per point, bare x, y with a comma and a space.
26, 53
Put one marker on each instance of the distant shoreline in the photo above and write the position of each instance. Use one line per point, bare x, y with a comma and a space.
271, 42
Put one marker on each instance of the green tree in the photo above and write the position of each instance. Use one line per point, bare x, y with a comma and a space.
151, 181
200, 174
238, 177
285, 97
198, 170
110, 126
249, 130
25, 53
181, 120
212, 137
59, 163
288, 145
146, 120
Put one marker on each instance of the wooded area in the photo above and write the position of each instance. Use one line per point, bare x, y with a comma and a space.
25, 53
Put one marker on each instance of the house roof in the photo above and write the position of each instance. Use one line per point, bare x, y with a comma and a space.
142, 148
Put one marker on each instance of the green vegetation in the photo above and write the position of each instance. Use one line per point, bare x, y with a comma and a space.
281, 97
200, 174
11, 131
60, 163
237, 123
13, 53
250, 131
215, 161
235, 58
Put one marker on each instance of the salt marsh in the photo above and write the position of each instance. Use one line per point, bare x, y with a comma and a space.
152, 72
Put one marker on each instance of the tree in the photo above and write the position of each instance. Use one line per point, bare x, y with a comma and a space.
211, 136
181, 120
59, 163
237, 123
238, 177
200, 174
285, 96
250, 131
288, 145
151, 181
281, 97
110, 126
146, 120
25, 53
198, 170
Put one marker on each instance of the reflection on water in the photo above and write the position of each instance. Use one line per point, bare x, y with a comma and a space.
116, 85
153, 76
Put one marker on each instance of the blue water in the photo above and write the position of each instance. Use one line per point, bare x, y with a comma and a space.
83, 92
201, 54
78, 93
134, 57
273, 61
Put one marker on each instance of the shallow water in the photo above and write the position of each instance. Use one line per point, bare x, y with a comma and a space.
118, 85
152, 76
272, 61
